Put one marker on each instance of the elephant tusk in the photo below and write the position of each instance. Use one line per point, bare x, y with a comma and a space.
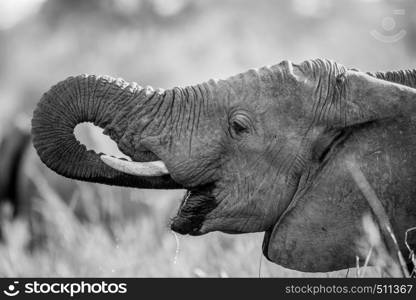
151, 168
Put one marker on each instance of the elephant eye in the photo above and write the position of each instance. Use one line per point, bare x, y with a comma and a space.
239, 127
239, 124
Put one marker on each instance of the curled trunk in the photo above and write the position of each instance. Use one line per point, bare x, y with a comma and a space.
404, 77
104, 101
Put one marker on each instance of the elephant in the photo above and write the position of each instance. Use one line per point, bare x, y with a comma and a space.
261, 151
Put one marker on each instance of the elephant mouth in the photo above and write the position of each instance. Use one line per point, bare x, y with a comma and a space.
196, 204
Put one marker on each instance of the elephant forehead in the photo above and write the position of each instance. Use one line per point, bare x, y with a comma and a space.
250, 87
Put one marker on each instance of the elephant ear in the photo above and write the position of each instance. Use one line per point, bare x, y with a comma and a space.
319, 232
363, 98
321, 228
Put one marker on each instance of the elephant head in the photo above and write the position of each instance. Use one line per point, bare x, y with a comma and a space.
247, 149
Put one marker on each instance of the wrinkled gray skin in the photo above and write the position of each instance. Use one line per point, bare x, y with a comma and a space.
26, 185
261, 151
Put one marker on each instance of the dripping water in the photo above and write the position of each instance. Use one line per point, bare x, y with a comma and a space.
175, 258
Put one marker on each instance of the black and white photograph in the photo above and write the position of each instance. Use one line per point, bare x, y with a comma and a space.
207, 139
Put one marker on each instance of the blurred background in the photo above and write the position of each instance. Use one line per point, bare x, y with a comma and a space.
51, 226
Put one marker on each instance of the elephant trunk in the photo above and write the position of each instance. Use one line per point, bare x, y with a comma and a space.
404, 77
104, 101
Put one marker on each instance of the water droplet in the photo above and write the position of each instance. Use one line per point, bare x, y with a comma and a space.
175, 259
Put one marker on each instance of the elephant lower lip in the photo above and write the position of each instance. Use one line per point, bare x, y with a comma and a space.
185, 227
195, 205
